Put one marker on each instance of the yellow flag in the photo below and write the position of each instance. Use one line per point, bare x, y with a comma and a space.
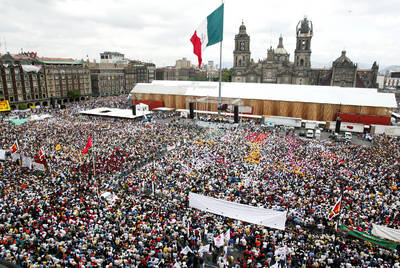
58, 147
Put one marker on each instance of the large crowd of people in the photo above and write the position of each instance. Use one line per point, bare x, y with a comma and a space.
62, 218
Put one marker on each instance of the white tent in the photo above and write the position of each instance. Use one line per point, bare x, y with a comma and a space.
276, 92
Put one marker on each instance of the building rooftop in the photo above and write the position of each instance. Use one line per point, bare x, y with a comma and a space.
278, 92
45, 60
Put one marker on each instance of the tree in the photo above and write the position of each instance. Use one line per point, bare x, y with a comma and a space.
74, 94
226, 75
22, 106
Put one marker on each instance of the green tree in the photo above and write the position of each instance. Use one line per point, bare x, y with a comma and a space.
226, 75
74, 94
22, 106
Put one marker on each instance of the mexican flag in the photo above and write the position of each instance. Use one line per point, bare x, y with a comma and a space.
209, 32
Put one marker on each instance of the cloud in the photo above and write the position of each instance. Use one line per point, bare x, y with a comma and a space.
160, 30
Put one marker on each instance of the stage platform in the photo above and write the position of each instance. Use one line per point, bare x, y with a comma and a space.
115, 112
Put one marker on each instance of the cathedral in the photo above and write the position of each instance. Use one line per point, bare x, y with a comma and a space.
277, 67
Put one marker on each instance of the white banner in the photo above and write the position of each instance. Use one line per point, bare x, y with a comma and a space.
15, 157
26, 162
281, 252
186, 250
386, 232
261, 216
205, 248
219, 241
38, 166
170, 148
2, 154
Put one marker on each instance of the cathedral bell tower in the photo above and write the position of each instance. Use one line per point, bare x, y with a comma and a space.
241, 55
302, 53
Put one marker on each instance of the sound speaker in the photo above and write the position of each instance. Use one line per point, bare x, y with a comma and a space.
236, 114
134, 109
338, 123
191, 115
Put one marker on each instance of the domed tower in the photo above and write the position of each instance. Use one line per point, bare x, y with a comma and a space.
302, 53
241, 54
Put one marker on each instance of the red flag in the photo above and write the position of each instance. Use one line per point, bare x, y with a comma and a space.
41, 155
88, 145
336, 209
15, 147
40, 158
196, 41
154, 176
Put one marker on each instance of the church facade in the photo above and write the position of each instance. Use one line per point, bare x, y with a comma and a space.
277, 67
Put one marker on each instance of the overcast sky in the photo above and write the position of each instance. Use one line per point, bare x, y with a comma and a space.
159, 30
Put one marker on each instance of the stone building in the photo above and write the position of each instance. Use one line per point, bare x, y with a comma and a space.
277, 67
113, 57
145, 71
67, 80
107, 79
26, 79
22, 84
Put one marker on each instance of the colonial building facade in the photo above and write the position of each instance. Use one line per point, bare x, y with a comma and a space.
277, 67
27, 80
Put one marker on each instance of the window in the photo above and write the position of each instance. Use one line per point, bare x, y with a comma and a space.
16, 71
11, 99
9, 85
7, 71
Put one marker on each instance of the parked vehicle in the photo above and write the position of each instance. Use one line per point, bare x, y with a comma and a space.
318, 134
348, 136
310, 133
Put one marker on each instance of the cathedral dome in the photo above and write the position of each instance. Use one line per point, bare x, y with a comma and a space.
242, 28
280, 49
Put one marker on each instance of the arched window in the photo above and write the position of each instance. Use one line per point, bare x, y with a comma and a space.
240, 62
301, 62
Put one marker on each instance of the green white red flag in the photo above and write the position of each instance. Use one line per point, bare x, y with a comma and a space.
209, 32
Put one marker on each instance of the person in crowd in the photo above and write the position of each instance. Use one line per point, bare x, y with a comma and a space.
62, 217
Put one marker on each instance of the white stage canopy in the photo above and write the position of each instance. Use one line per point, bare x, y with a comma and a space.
261, 216
275, 92
386, 232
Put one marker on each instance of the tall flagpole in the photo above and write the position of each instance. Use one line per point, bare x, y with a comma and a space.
152, 179
94, 159
220, 78
220, 69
